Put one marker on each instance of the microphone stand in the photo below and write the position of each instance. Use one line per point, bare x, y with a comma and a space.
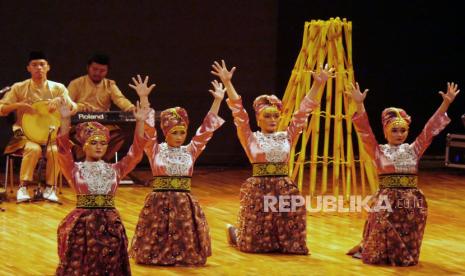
3, 197
1, 200
38, 194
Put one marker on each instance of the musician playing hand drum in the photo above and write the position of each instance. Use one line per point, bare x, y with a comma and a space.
20, 99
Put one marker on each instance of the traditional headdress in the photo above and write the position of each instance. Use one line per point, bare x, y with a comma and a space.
36, 55
394, 117
88, 131
99, 58
269, 103
174, 118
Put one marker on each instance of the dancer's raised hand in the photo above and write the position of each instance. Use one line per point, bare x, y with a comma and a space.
219, 90
64, 109
449, 96
324, 74
141, 113
222, 72
141, 87
452, 91
355, 93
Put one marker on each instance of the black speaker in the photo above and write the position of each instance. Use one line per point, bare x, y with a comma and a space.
455, 151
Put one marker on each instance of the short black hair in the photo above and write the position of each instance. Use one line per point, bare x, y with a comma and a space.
99, 58
36, 55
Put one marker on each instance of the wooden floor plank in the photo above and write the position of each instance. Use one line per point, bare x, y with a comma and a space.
28, 232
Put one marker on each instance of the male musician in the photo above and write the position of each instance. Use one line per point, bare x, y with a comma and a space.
20, 99
95, 93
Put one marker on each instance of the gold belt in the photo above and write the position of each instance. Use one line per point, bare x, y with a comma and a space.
95, 201
398, 181
270, 169
176, 183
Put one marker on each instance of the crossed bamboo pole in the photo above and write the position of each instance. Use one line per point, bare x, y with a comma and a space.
327, 42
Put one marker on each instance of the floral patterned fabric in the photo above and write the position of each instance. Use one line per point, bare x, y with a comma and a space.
395, 238
263, 232
94, 241
172, 228
260, 231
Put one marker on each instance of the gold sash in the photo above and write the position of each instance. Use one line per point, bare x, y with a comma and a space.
176, 183
95, 201
270, 169
398, 181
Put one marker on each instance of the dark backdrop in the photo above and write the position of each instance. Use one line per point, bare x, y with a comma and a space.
404, 51
174, 42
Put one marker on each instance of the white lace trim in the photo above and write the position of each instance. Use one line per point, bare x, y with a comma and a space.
275, 145
177, 161
403, 157
98, 176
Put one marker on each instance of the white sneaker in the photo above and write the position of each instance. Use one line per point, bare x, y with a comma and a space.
50, 194
22, 194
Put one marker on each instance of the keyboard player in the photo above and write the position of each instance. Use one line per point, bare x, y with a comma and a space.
95, 93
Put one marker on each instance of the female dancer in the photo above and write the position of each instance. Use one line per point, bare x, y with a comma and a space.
92, 239
172, 229
268, 151
393, 235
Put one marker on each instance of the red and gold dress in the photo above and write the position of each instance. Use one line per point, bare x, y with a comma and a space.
395, 238
259, 231
172, 228
92, 239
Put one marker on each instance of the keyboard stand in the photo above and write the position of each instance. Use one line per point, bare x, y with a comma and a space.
133, 179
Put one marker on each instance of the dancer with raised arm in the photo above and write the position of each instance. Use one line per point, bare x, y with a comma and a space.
394, 235
172, 228
268, 150
92, 238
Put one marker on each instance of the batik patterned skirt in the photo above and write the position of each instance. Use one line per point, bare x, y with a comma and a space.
93, 242
394, 238
262, 231
172, 230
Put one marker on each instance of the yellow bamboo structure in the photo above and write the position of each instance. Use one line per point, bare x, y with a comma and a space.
327, 42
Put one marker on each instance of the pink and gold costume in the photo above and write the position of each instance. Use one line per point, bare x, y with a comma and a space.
260, 231
172, 228
92, 238
395, 238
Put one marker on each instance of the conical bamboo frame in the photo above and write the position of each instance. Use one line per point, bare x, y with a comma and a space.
327, 42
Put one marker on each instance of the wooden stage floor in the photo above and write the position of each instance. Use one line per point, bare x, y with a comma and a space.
28, 232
